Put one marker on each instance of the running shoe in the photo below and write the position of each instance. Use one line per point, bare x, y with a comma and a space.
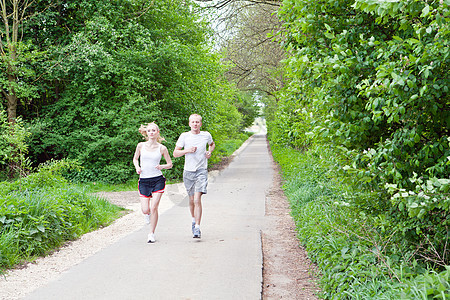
193, 226
147, 219
197, 233
151, 238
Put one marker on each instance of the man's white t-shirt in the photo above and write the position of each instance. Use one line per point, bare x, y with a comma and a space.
197, 160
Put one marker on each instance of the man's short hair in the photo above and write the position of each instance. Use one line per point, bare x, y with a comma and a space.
195, 115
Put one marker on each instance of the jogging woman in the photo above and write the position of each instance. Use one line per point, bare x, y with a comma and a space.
151, 180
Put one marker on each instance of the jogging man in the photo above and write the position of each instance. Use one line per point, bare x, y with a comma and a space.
192, 145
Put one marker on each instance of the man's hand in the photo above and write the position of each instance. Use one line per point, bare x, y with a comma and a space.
192, 150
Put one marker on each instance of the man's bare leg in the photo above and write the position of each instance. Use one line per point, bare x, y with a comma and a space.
195, 205
198, 207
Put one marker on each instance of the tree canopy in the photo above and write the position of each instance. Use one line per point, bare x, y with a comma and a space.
99, 69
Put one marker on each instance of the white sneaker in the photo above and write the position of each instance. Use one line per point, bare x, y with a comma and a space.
197, 233
151, 238
147, 219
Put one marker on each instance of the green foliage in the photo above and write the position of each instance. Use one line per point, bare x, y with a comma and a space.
248, 107
356, 259
370, 81
40, 212
13, 147
226, 148
431, 285
289, 127
374, 82
132, 62
17, 73
427, 196
94, 187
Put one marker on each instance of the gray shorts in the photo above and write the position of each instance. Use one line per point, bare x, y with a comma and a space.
195, 181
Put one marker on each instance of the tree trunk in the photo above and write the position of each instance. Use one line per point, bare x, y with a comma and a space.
11, 107
11, 35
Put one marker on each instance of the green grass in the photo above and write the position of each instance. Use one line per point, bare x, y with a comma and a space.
356, 259
94, 187
41, 212
226, 148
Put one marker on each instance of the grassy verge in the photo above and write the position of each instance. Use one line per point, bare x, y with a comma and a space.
226, 148
41, 212
94, 187
356, 259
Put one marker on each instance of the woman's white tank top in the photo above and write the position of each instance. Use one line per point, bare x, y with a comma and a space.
149, 161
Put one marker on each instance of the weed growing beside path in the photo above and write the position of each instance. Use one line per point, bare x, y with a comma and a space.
356, 260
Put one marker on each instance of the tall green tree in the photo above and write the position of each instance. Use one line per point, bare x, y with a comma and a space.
371, 79
14, 76
30, 31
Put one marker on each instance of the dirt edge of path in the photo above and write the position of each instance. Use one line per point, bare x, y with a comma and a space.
287, 271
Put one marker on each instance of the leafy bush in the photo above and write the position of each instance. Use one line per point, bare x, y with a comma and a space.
371, 82
13, 149
356, 258
41, 211
366, 98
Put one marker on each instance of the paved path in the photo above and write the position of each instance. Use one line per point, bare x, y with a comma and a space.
226, 263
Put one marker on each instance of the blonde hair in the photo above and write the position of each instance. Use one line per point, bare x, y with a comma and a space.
143, 130
195, 115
